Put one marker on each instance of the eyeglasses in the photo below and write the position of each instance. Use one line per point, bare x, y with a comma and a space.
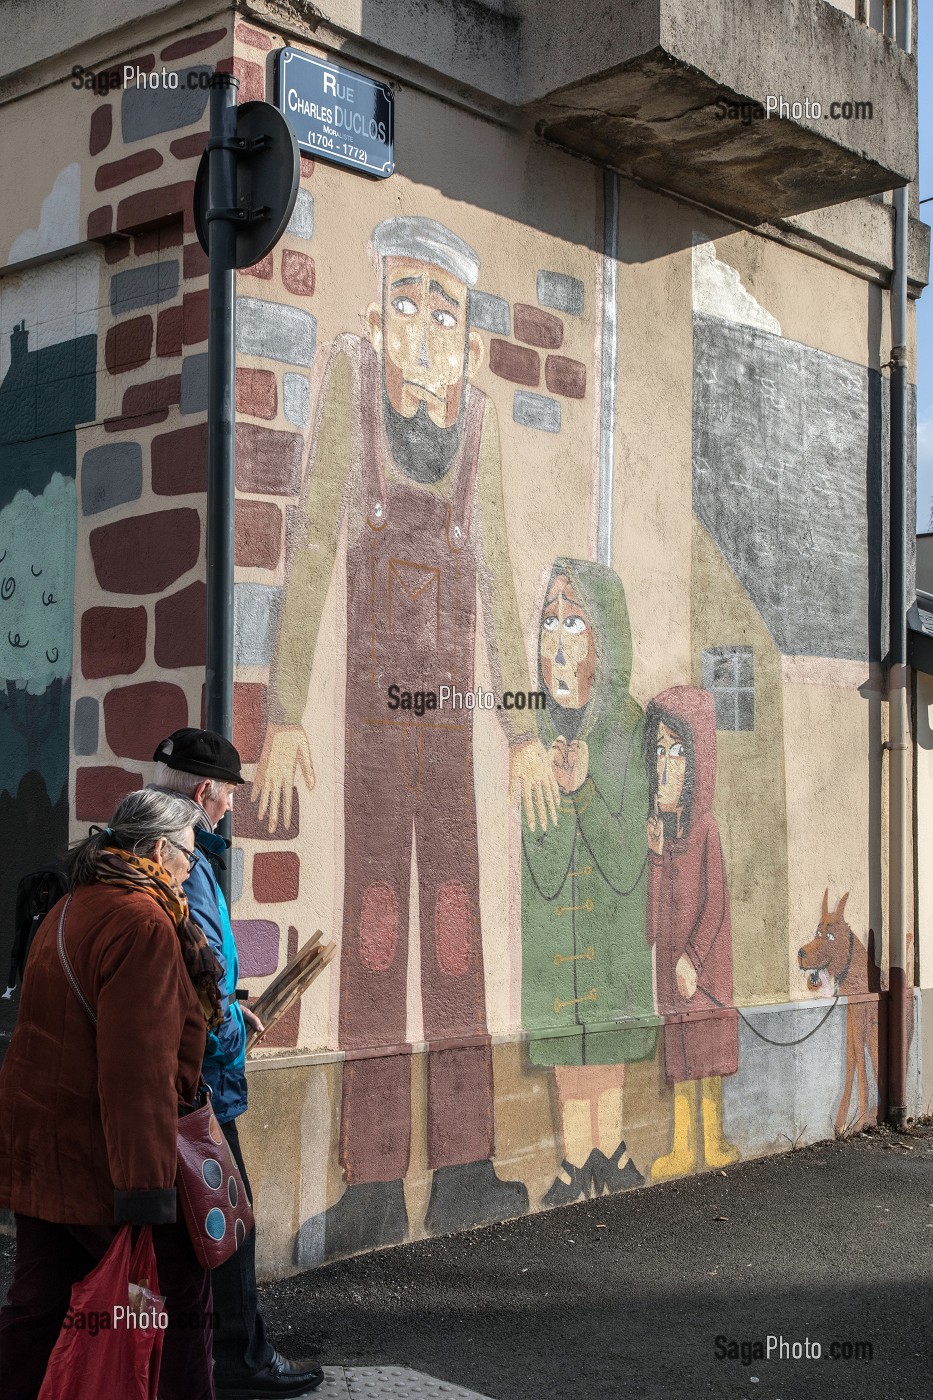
190, 854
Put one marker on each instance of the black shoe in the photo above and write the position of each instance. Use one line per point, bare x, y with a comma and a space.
279, 1377
562, 1193
609, 1175
469, 1195
369, 1215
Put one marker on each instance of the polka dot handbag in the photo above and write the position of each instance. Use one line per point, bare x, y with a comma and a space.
217, 1210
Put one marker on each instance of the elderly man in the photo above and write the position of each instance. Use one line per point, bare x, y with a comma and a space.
206, 767
406, 454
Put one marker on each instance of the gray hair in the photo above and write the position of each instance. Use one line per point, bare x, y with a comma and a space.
176, 780
141, 819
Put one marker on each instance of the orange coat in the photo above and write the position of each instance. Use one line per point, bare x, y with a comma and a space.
88, 1117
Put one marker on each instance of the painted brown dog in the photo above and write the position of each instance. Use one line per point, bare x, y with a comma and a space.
843, 959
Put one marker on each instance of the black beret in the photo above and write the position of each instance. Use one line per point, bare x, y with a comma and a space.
200, 751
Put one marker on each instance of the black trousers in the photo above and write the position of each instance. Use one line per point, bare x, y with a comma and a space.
241, 1347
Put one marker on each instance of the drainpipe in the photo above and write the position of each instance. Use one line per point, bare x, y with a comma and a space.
221, 298
899, 834
899, 831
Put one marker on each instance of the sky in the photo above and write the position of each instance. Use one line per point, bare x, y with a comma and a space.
925, 304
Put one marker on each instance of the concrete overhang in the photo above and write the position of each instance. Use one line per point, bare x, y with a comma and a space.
666, 91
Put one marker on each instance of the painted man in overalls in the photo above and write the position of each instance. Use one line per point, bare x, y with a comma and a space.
405, 451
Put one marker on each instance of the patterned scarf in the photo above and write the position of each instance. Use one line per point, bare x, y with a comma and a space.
132, 872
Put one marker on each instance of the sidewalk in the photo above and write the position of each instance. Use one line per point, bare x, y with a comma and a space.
626, 1296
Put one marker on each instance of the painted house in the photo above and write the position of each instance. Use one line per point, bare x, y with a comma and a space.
581, 415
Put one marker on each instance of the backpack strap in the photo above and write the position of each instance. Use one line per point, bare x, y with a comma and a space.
69, 970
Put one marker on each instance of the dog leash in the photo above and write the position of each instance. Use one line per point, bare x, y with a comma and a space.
767, 1038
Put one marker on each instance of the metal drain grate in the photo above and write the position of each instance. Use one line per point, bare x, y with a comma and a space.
388, 1383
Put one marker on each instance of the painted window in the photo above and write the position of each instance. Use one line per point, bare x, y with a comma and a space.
729, 676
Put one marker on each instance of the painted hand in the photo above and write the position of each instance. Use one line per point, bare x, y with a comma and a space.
569, 763
531, 772
686, 975
284, 752
655, 834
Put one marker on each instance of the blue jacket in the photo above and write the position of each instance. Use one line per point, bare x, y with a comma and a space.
225, 1053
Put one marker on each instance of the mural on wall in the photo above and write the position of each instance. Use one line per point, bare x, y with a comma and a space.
689, 925
405, 453
839, 964
49, 360
585, 960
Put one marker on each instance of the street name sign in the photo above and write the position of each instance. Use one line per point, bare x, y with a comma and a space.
336, 114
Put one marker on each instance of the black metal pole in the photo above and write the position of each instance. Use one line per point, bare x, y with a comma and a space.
221, 297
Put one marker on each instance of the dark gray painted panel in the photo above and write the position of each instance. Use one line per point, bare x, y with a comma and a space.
789, 446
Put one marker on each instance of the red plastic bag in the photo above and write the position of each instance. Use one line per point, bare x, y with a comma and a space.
105, 1348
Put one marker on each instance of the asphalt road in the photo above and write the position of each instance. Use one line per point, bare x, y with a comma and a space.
626, 1296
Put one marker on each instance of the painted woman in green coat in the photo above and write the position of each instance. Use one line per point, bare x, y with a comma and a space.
587, 998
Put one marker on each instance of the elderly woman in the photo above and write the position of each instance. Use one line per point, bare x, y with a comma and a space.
89, 1116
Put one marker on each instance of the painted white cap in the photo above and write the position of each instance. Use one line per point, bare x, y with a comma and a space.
427, 241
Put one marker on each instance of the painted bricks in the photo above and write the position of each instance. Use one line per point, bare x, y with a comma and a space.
100, 223
301, 224
253, 37
118, 172
153, 396
514, 362
267, 460
195, 317
263, 269
536, 327
297, 273
258, 543
249, 718
170, 331
256, 393
179, 461
248, 826
157, 206
111, 475
99, 790
128, 344
86, 726
272, 331
251, 78
255, 609
192, 43
275, 876
566, 377
145, 111
195, 261
136, 717
193, 391
146, 553
145, 211
536, 411
186, 147
181, 627
101, 128
296, 399
258, 944
139, 287
170, 233
490, 313
560, 292
113, 641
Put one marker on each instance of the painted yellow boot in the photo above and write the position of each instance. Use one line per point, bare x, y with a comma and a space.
717, 1151
682, 1158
